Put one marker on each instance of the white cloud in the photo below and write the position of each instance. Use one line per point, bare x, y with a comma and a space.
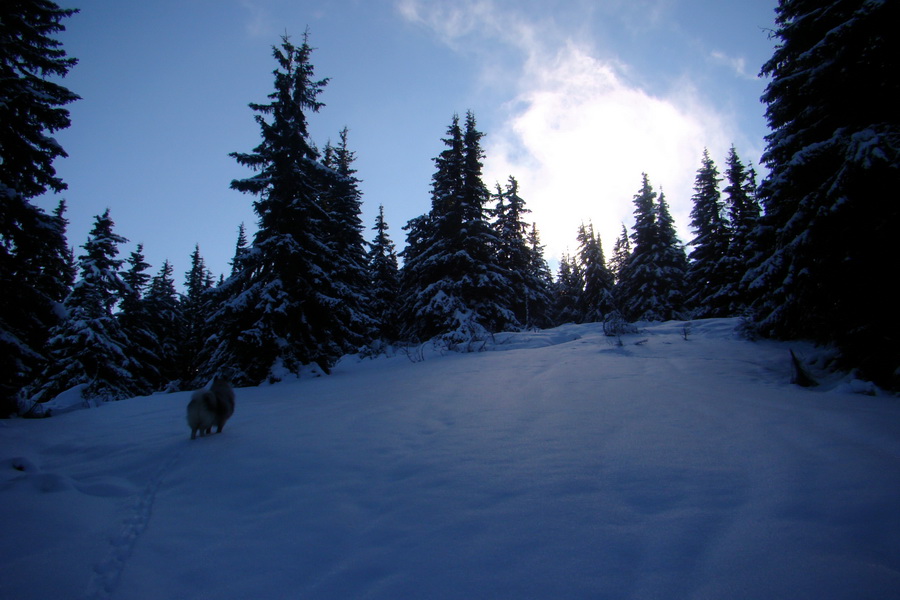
578, 138
460, 20
578, 134
259, 22
736, 63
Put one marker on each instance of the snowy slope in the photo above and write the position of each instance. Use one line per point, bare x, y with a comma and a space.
561, 467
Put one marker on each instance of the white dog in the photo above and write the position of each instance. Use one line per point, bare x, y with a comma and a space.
210, 407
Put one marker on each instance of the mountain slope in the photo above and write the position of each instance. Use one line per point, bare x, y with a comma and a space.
562, 466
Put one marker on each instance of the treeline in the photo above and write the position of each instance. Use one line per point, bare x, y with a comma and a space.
808, 253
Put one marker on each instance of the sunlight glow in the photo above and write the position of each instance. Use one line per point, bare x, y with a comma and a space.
578, 133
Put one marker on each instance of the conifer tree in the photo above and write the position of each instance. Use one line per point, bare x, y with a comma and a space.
830, 207
638, 286
343, 201
486, 285
708, 270
240, 248
167, 324
596, 301
420, 235
452, 285
89, 345
539, 283
743, 213
134, 319
621, 254
508, 210
569, 287
384, 280
195, 308
32, 243
672, 261
57, 261
520, 255
135, 280
197, 279
284, 309
651, 285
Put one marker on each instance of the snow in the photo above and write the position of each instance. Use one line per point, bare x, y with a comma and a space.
566, 466
67, 401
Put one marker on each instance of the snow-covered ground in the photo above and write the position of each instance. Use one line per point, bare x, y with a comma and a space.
562, 467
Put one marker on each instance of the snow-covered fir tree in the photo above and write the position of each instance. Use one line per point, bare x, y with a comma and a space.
620, 254
708, 270
196, 305
59, 269
134, 318
167, 324
240, 248
488, 290
673, 263
32, 242
452, 286
568, 288
596, 301
342, 199
651, 285
384, 280
540, 283
89, 345
135, 279
743, 213
830, 195
284, 308
520, 255
637, 289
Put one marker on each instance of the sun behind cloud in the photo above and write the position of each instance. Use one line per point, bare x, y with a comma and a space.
578, 131
578, 137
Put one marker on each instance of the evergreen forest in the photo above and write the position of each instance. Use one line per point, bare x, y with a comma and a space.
807, 253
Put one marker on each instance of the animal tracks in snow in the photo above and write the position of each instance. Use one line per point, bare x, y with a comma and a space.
108, 571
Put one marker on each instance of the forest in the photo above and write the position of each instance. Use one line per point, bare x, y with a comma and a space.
807, 253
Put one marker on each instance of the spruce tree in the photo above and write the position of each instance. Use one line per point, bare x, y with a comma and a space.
56, 261
596, 301
426, 306
829, 199
539, 283
743, 213
167, 324
240, 248
32, 243
569, 287
638, 285
486, 285
520, 255
384, 280
284, 308
343, 201
89, 346
452, 286
673, 263
134, 319
620, 255
651, 285
135, 279
708, 270
195, 308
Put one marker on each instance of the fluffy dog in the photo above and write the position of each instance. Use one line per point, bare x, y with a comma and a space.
210, 407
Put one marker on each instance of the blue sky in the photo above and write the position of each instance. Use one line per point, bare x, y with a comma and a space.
576, 97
